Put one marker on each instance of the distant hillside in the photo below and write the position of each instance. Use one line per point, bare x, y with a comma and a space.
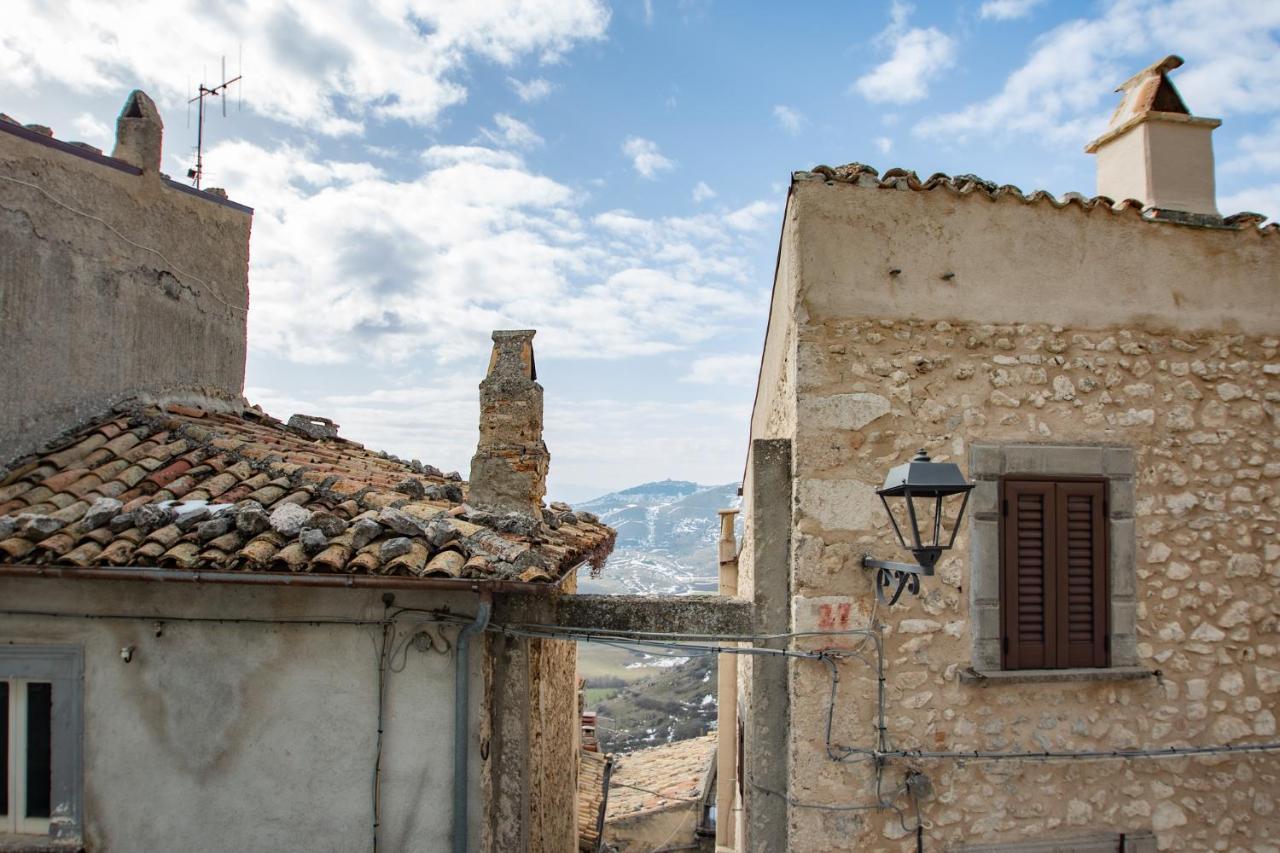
674, 703
667, 534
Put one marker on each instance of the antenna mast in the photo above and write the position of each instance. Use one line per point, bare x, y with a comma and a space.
219, 91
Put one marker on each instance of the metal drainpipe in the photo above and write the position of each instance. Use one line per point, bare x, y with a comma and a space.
461, 719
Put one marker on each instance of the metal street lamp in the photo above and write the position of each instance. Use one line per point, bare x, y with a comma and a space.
919, 497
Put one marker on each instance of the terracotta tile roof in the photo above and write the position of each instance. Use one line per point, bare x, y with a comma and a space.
660, 777
863, 175
594, 769
188, 488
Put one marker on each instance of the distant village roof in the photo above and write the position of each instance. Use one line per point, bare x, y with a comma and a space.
863, 175
200, 489
660, 777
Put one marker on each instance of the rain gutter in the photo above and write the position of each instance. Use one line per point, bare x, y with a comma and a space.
462, 718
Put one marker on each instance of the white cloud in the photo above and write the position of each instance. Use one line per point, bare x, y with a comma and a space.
919, 55
753, 217
1261, 198
478, 242
702, 191
1007, 10
788, 119
93, 130
1257, 152
511, 133
646, 158
328, 69
1063, 92
533, 90
724, 370
883, 144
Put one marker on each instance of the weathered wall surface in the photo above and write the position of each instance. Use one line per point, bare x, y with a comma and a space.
532, 736
1062, 327
773, 417
223, 736
86, 318
1013, 262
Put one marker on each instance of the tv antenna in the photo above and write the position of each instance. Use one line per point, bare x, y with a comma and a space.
220, 92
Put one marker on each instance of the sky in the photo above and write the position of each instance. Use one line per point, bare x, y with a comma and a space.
612, 175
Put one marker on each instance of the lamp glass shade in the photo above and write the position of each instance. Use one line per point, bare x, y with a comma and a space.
925, 501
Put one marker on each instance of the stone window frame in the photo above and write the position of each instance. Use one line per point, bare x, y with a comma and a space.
62, 665
988, 463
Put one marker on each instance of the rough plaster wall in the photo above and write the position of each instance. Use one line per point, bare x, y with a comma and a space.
1201, 411
656, 830
530, 741
553, 746
1131, 364
507, 779
1013, 262
774, 414
87, 319
232, 737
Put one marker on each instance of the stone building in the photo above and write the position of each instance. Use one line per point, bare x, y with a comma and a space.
224, 632
1107, 371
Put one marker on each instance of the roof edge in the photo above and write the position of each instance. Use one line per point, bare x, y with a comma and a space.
330, 581
862, 175
1153, 115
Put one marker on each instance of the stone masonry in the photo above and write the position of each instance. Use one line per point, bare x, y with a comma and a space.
509, 469
1018, 334
1202, 412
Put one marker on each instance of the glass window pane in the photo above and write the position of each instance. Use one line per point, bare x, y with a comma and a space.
39, 752
926, 510
4, 748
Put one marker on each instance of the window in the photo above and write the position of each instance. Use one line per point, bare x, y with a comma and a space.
25, 711
1053, 565
40, 740
1100, 470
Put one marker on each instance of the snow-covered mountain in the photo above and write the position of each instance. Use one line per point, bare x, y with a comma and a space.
667, 534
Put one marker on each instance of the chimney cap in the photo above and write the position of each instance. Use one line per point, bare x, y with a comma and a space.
1149, 95
1163, 67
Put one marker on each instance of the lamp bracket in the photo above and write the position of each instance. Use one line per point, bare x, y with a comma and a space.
904, 577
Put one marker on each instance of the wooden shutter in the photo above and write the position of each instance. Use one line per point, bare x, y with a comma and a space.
1081, 575
1029, 599
1053, 562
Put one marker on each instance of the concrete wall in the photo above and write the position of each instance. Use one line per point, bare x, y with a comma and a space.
230, 737
1062, 327
86, 317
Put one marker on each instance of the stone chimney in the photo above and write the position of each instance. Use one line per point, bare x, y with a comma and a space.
509, 470
1154, 150
139, 133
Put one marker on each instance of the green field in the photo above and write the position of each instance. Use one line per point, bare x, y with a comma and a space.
596, 695
596, 661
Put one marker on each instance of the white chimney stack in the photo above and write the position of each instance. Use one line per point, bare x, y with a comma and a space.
1154, 150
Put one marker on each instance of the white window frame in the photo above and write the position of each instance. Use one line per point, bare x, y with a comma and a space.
63, 667
16, 820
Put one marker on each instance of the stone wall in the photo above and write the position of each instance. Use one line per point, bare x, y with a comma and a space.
113, 282
951, 319
1201, 412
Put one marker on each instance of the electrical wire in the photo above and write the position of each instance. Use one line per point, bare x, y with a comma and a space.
653, 641
1083, 755
173, 267
613, 783
387, 629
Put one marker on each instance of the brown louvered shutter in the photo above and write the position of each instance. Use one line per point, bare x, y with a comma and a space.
1081, 575
1029, 598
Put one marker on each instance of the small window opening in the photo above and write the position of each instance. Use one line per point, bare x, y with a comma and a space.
26, 719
